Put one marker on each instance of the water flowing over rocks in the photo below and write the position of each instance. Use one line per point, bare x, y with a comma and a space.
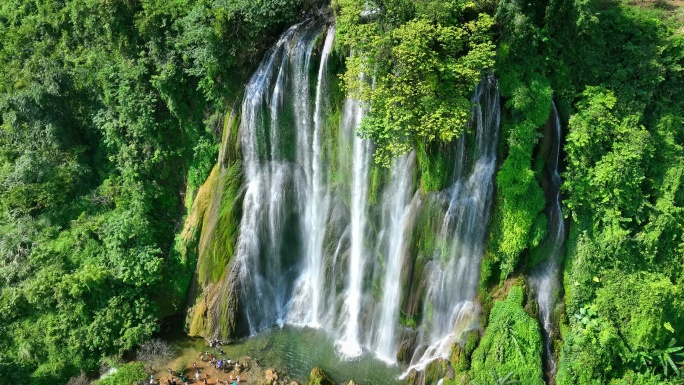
327, 239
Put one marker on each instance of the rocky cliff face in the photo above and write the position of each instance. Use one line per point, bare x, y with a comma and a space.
210, 232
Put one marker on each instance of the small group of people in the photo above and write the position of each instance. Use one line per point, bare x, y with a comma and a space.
216, 344
172, 381
182, 380
223, 364
205, 356
218, 364
198, 376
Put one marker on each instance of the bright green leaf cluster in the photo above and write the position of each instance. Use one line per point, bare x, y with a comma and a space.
414, 67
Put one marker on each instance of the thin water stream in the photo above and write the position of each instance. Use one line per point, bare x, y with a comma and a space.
450, 305
545, 279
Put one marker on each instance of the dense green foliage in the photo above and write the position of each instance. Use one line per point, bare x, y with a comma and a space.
419, 64
127, 374
624, 186
108, 110
615, 70
520, 67
511, 343
110, 119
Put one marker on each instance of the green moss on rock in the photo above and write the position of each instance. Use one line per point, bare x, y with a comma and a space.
512, 343
437, 370
319, 377
436, 168
461, 355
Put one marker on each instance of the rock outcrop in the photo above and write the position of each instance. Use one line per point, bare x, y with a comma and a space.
319, 377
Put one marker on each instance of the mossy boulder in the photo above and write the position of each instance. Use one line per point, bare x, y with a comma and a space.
319, 377
512, 344
437, 370
415, 377
210, 234
461, 355
407, 344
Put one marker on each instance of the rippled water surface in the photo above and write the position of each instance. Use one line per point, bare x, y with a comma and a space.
297, 351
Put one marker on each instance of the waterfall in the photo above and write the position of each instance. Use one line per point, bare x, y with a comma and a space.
264, 267
349, 344
307, 299
449, 308
545, 279
398, 200
319, 207
314, 250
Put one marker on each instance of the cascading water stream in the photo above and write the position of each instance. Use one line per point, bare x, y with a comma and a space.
314, 195
399, 203
312, 251
545, 278
320, 193
349, 344
450, 309
263, 271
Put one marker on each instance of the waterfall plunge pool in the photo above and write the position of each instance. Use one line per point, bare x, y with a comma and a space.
295, 351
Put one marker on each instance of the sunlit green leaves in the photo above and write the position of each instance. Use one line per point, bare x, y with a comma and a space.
587, 317
416, 75
511, 344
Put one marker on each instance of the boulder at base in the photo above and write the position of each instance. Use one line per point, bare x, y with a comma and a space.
318, 377
270, 377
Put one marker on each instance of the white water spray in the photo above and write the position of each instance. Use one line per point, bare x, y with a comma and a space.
263, 271
314, 200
